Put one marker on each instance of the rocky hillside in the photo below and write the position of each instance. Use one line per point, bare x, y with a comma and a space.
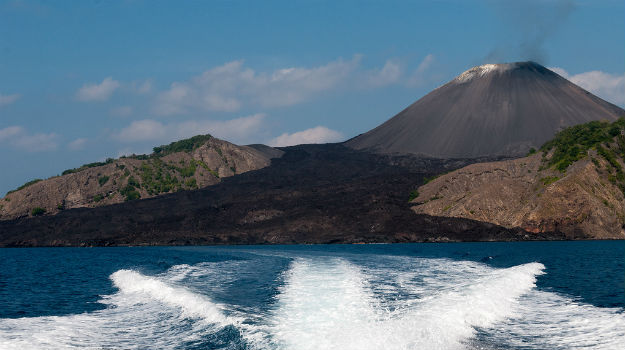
312, 194
184, 165
574, 184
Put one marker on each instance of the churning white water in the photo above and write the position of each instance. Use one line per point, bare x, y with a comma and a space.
331, 303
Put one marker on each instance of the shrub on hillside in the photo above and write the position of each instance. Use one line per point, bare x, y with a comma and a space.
186, 145
102, 180
572, 144
37, 211
32, 182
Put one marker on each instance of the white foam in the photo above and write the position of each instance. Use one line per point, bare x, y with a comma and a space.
549, 320
145, 313
324, 306
192, 304
331, 306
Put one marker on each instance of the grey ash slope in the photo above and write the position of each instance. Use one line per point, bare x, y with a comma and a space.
489, 110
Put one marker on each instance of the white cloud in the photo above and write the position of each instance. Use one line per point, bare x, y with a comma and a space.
122, 111
560, 71
9, 132
389, 74
20, 139
418, 76
426, 63
38, 142
145, 87
6, 100
228, 87
77, 144
143, 130
98, 92
239, 130
319, 134
608, 86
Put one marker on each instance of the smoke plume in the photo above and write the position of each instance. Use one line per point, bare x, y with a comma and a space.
532, 23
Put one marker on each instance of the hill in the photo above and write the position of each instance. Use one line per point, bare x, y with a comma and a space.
312, 194
575, 184
489, 110
187, 164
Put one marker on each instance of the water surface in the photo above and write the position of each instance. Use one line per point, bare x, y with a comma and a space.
522, 295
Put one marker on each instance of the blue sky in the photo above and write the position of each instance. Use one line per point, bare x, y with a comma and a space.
81, 81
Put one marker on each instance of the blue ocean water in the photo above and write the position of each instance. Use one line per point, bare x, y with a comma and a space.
520, 295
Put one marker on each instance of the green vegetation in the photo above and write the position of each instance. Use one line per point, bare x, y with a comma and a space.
102, 180
413, 194
133, 182
572, 144
159, 177
609, 155
37, 211
186, 145
205, 166
87, 166
32, 182
189, 170
140, 156
191, 183
155, 176
429, 179
549, 180
60, 206
595, 161
130, 193
531, 151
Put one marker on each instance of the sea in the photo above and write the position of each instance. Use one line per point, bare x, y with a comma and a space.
498, 295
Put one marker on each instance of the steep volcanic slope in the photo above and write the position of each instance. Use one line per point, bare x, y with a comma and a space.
576, 185
187, 164
494, 109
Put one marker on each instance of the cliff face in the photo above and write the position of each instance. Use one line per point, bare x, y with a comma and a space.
203, 163
539, 193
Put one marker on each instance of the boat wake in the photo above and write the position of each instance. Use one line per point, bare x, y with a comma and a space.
332, 303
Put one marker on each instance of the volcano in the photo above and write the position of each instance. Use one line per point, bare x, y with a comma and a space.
489, 110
